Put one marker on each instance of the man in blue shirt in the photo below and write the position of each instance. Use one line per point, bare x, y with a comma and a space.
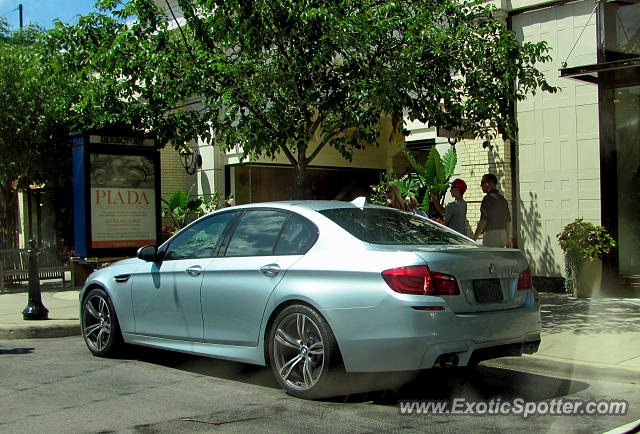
495, 218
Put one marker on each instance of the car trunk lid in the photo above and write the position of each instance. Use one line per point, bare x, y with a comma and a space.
487, 277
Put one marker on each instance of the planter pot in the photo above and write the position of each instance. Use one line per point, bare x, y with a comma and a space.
588, 279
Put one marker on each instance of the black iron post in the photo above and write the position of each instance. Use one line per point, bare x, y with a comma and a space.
35, 309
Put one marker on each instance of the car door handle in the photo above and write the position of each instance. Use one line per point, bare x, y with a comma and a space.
270, 270
194, 270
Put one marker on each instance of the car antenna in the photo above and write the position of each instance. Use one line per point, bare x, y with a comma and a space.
360, 202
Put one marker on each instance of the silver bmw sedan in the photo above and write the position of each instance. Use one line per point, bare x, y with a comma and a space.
317, 290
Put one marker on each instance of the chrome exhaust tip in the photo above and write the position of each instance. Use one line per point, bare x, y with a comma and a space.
449, 360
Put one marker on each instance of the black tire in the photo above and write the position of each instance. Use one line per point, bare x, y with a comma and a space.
99, 324
304, 354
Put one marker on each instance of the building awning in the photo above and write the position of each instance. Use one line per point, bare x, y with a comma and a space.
619, 70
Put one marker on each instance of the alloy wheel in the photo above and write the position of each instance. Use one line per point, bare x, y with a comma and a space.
97, 323
298, 351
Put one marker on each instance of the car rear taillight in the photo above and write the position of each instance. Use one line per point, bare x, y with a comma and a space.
524, 280
445, 284
419, 280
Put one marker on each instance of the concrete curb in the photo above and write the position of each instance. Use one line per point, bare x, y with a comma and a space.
40, 331
570, 369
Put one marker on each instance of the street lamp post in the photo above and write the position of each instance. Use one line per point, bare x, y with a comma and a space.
35, 309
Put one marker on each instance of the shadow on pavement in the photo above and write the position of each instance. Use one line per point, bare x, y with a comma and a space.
484, 383
242, 372
562, 313
477, 384
17, 351
480, 383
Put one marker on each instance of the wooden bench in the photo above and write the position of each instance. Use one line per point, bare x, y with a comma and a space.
14, 266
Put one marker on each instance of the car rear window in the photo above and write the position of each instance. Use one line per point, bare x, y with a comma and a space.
392, 227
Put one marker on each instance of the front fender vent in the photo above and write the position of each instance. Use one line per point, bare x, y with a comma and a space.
122, 278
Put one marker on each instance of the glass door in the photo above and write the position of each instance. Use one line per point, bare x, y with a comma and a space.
627, 138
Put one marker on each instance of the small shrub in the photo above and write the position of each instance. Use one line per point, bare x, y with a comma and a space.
582, 241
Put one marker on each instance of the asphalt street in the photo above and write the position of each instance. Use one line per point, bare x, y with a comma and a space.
56, 385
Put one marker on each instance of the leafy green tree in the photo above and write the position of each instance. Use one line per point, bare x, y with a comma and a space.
36, 117
293, 77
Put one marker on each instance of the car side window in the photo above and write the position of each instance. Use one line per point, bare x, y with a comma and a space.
297, 237
256, 233
199, 240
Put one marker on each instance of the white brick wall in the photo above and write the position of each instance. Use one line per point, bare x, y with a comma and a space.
558, 152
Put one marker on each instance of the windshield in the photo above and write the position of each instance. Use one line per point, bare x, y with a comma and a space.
391, 227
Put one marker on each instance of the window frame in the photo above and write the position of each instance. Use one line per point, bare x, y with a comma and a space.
222, 252
162, 251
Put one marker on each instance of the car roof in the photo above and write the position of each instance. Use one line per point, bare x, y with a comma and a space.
315, 205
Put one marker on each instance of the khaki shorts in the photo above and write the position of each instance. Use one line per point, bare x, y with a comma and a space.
495, 238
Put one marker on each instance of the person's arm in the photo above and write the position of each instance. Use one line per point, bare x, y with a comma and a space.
436, 202
480, 228
508, 229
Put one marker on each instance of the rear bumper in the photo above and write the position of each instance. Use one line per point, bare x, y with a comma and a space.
398, 338
471, 353
516, 349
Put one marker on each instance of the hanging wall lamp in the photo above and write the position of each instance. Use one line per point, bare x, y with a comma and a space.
191, 161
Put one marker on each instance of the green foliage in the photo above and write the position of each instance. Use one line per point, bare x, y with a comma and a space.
430, 178
582, 241
296, 77
408, 184
216, 201
181, 209
585, 240
449, 162
37, 114
378, 195
434, 175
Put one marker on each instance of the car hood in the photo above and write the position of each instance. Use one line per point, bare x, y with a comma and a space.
124, 262
125, 265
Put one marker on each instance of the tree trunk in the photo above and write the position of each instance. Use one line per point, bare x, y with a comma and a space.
299, 191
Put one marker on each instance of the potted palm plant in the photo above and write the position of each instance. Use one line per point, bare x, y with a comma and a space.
584, 245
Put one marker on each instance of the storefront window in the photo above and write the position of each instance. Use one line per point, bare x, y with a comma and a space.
256, 183
621, 30
627, 123
49, 219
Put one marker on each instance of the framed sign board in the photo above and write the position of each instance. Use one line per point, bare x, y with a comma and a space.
116, 185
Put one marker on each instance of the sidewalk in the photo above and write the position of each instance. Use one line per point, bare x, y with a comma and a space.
592, 334
64, 314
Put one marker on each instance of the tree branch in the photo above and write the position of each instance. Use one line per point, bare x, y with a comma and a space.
316, 124
322, 144
261, 117
288, 154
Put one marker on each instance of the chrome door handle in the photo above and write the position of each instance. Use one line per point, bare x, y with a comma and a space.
270, 270
194, 270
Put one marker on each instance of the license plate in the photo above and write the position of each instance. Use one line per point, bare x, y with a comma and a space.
487, 290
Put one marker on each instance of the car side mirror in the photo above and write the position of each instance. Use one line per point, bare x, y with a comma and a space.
148, 253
